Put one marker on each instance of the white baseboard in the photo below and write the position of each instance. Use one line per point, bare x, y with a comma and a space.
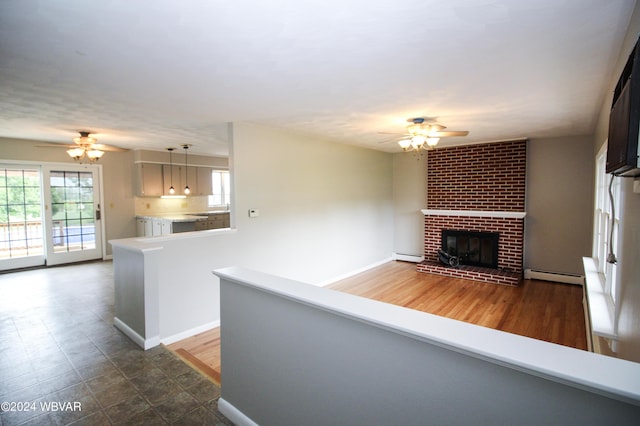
352, 273
233, 414
533, 274
408, 257
188, 333
133, 335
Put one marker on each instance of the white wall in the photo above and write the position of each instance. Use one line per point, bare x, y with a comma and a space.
325, 208
326, 211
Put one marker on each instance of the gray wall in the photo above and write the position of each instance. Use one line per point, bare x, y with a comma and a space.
328, 367
409, 197
558, 226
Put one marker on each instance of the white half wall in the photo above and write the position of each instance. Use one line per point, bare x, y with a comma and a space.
325, 211
347, 360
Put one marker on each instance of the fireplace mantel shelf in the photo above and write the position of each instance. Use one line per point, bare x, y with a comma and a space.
475, 213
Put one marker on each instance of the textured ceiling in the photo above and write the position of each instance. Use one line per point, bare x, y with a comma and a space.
162, 73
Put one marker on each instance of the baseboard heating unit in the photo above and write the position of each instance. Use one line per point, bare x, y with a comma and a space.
408, 257
558, 277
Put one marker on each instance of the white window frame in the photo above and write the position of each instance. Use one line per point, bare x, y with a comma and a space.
602, 277
602, 226
222, 190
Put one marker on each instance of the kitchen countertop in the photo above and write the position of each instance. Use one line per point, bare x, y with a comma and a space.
180, 217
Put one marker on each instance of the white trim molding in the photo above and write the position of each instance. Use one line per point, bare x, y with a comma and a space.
133, 335
600, 307
475, 213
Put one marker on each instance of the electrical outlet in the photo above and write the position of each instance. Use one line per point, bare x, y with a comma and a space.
636, 186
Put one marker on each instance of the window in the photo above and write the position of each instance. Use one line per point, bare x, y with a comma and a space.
221, 186
606, 217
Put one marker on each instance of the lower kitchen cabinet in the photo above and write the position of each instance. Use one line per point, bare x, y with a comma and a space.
217, 221
144, 227
153, 227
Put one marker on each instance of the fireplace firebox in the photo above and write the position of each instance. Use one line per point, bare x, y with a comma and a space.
471, 247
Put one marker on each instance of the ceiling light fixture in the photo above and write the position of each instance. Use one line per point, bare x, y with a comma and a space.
421, 135
85, 148
172, 190
187, 190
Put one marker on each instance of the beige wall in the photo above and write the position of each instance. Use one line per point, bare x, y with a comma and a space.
117, 172
560, 179
409, 197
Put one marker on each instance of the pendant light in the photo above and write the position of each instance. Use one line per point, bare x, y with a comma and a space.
171, 188
187, 190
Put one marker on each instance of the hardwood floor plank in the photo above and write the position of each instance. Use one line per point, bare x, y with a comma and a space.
538, 309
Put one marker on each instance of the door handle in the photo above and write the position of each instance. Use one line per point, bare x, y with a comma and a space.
98, 214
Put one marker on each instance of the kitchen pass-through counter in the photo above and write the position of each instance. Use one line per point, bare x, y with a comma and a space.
165, 224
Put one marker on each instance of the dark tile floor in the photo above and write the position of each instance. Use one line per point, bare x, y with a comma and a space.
62, 361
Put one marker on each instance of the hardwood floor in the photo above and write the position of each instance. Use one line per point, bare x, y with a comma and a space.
538, 309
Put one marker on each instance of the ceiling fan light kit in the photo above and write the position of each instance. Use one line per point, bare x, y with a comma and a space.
421, 135
85, 148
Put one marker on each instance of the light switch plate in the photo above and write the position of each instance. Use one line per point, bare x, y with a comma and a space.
254, 212
636, 186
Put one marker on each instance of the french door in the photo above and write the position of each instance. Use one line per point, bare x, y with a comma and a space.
72, 215
21, 230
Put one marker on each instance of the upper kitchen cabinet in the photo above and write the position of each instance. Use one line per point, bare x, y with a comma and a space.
172, 175
189, 177
154, 174
149, 179
203, 181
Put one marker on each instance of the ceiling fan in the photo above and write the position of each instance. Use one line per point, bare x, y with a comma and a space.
85, 145
425, 133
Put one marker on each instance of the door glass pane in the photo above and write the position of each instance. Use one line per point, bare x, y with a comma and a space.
20, 213
72, 211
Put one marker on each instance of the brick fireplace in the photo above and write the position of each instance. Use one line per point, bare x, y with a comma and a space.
477, 188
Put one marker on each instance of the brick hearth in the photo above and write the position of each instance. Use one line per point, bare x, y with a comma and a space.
477, 188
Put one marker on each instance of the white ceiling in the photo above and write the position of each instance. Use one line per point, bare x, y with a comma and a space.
153, 74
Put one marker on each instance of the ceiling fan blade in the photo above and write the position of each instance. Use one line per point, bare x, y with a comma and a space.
393, 133
55, 145
448, 134
110, 148
99, 146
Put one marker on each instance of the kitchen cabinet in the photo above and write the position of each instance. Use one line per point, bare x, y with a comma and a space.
171, 175
148, 227
144, 227
154, 179
217, 221
149, 178
160, 227
203, 180
189, 177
